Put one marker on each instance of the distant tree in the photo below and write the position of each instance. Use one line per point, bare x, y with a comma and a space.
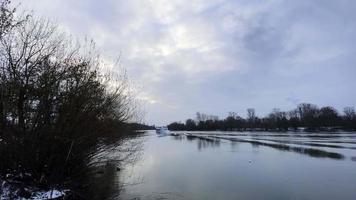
201, 125
328, 116
176, 126
138, 126
294, 121
232, 114
190, 124
199, 117
251, 117
308, 115
277, 120
349, 113
233, 122
349, 117
211, 125
230, 122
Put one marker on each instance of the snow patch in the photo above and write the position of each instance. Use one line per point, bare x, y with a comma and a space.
8, 191
52, 194
4, 190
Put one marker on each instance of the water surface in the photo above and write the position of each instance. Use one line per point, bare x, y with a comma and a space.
247, 165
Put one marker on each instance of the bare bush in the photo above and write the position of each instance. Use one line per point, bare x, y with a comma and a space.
58, 107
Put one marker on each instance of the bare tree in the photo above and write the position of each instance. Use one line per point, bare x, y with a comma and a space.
57, 103
349, 113
251, 117
308, 115
350, 118
328, 116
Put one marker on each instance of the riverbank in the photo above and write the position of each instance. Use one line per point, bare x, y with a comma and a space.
24, 183
16, 188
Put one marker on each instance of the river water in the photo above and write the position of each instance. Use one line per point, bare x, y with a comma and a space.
243, 165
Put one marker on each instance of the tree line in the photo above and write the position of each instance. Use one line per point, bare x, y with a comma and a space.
140, 126
306, 115
59, 107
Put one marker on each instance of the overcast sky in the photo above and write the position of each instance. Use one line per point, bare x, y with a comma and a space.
216, 56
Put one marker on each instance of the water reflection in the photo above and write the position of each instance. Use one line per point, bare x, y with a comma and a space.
315, 144
202, 141
283, 147
214, 141
101, 179
179, 137
103, 183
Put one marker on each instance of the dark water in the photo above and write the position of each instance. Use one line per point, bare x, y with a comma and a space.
232, 165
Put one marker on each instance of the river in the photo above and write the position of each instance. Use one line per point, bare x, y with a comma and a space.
243, 165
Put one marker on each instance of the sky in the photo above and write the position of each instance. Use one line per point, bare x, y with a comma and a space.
217, 56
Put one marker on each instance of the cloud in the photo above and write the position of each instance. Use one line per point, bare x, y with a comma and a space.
221, 55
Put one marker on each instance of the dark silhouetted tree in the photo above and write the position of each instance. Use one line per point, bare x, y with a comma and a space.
305, 115
308, 115
294, 121
176, 126
328, 116
190, 124
349, 117
251, 117
57, 104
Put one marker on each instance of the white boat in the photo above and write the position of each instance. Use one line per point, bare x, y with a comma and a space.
163, 130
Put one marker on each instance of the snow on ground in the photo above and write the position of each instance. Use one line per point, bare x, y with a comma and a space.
4, 191
9, 192
52, 194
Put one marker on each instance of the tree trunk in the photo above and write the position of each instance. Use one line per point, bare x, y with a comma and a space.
20, 109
